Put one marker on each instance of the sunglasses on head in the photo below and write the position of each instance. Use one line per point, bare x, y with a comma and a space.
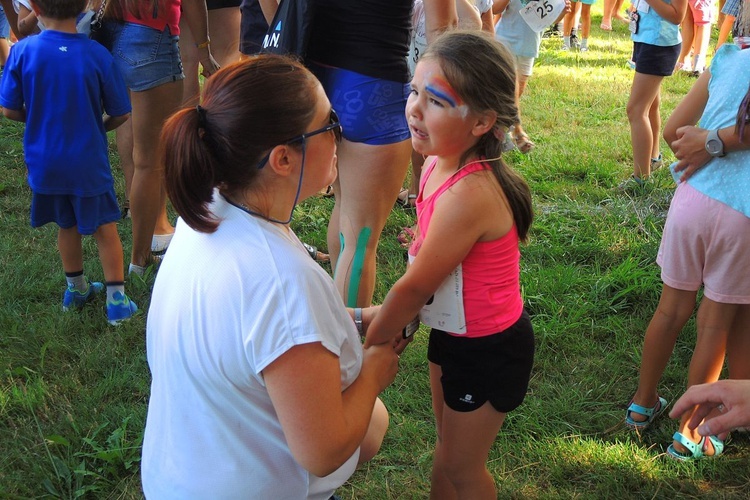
334, 125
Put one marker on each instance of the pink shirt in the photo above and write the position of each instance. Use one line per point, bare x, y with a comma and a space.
168, 14
491, 270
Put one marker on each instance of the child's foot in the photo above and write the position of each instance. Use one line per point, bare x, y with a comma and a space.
120, 309
632, 184
682, 448
656, 163
640, 417
74, 298
574, 42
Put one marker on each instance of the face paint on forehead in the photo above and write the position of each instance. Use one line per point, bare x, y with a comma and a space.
440, 88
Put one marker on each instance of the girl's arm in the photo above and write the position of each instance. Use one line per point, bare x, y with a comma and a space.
440, 15
27, 21
673, 12
196, 16
18, 115
468, 15
687, 141
488, 22
322, 425
690, 109
499, 6
465, 214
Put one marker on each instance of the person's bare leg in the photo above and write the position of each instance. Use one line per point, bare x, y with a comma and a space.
369, 180
375, 433
462, 447
714, 322
686, 27
673, 312
110, 252
724, 30
642, 117
189, 55
147, 196
654, 118
70, 248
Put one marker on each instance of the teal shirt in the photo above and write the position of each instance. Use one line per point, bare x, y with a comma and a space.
725, 179
655, 30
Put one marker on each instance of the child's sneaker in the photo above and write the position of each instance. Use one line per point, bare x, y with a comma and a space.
574, 42
76, 299
656, 163
120, 309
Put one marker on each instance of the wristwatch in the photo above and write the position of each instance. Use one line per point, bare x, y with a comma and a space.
714, 146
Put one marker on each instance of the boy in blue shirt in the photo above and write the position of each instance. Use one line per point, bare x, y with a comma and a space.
60, 83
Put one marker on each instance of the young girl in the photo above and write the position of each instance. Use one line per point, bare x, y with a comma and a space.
656, 45
704, 242
463, 281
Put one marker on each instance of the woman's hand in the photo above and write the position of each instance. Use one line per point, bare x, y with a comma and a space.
730, 397
690, 150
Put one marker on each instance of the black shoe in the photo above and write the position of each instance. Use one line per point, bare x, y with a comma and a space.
552, 32
574, 42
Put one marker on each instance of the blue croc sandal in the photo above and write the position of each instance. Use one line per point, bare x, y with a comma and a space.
649, 413
695, 450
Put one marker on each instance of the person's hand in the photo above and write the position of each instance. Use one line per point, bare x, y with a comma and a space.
730, 397
568, 6
400, 343
381, 362
208, 63
690, 150
368, 315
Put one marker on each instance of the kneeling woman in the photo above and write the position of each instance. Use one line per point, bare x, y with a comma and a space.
260, 386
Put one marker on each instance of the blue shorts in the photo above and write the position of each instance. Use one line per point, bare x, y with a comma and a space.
88, 213
371, 110
4, 25
655, 59
146, 57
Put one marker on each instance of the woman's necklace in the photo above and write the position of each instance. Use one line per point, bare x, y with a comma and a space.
249, 211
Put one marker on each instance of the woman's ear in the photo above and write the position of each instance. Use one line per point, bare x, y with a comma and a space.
484, 123
282, 158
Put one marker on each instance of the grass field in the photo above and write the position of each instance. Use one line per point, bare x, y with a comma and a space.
73, 390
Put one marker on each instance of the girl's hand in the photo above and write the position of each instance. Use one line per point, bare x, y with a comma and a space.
690, 150
400, 343
208, 63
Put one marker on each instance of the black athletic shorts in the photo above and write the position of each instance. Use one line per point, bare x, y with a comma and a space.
495, 368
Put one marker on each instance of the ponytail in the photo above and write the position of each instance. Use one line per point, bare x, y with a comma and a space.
189, 169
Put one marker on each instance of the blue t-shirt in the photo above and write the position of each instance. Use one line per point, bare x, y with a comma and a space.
65, 81
725, 179
654, 29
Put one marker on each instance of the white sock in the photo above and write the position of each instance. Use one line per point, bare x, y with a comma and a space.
584, 43
138, 270
566, 41
114, 287
699, 63
77, 281
160, 242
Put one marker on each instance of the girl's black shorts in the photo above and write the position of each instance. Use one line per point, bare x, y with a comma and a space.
495, 368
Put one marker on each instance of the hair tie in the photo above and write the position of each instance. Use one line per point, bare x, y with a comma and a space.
201, 116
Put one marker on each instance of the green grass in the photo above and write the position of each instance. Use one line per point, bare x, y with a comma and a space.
73, 390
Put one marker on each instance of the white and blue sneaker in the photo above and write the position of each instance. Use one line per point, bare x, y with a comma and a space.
120, 309
74, 298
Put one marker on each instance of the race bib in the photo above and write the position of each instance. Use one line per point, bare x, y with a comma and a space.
539, 14
445, 309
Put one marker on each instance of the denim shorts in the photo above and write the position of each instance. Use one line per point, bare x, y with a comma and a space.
88, 213
146, 57
4, 25
372, 111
